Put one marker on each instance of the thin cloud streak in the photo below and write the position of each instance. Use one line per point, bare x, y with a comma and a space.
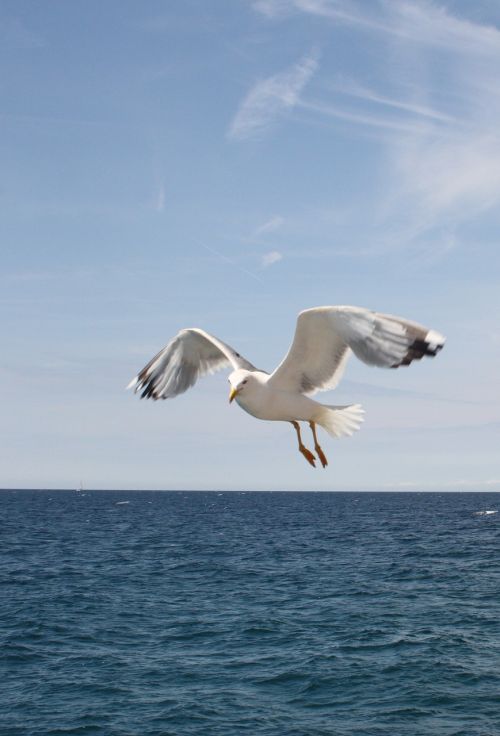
358, 91
364, 119
270, 226
160, 199
271, 98
230, 261
420, 22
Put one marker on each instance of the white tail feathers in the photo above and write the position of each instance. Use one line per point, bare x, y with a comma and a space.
340, 420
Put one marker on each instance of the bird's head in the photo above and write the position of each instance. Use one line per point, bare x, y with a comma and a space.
239, 381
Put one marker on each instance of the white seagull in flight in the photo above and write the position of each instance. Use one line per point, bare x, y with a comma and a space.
324, 339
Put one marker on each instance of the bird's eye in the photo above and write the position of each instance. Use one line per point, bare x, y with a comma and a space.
245, 381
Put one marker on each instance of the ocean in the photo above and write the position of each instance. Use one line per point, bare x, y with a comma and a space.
270, 614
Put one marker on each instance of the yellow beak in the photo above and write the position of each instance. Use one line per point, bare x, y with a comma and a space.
232, 393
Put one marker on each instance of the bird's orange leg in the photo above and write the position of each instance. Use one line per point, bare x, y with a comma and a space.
321, 454
307, 453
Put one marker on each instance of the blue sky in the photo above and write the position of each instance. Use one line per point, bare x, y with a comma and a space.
226, 164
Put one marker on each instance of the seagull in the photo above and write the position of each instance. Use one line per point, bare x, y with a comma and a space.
324, 339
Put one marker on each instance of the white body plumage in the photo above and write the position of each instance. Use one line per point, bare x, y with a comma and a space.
254, 395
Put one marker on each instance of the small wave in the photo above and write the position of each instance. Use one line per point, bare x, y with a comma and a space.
121, 503
488, 512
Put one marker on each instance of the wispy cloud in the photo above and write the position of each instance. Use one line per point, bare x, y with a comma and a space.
160, 199
419, 21
272, 257
433, 25
270, 226
335, 10
270, 98
434, 116
271, 8
452, 176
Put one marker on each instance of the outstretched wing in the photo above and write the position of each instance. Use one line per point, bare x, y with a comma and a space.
325, 336
191, 354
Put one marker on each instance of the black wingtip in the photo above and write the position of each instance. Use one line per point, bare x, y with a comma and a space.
419, 349
422, 347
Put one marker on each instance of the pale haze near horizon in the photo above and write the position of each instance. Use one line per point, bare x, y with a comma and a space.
225, 165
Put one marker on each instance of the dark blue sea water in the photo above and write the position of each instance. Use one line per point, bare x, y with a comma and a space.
272, 614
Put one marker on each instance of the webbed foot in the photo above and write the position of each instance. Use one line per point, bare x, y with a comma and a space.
308, 456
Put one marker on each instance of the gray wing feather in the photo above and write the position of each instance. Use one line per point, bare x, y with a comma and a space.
385, 340
325, 336
192, 353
